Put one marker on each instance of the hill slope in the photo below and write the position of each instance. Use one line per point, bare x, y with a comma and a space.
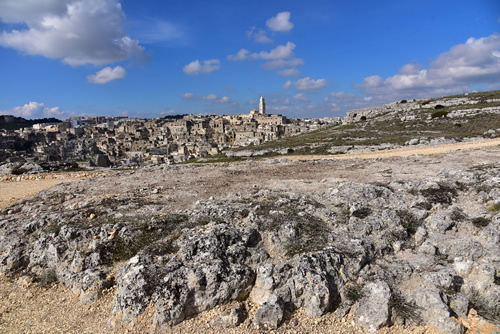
433, 121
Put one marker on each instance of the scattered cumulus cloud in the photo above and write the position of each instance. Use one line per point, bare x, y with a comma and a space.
280, 63
300, 97
280, 22
290, 72
77, 31
279, 52
207, 66
33, 110
307, 84
211, 97
258, 35
107, 74
477, 61
168, 112
341, 97
188, 96
287, 85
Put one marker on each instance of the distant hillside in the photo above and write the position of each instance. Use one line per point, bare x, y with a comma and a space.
10, 122
413, 122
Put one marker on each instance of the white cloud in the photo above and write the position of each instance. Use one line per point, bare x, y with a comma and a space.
279, 52
341, 97
310, 84
280, 63
474, 62
168, 112
300, 97
19, 11
290, 72
188, 96
211, 97
224, 99
287, 84
33, 110
78, 31
195, 67
53, 112
107, 74
258, 35
280, 22
28, 109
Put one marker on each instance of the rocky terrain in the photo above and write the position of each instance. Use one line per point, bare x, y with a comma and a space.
386, 242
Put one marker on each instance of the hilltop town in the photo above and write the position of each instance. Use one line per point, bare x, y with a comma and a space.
118, 141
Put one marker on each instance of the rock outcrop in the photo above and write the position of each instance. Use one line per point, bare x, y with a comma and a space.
410, 251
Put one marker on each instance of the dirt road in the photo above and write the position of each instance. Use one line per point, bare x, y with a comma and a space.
405, 151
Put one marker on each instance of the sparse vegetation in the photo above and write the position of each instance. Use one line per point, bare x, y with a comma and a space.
494, 208
361, 213
156, 236
354, 292
409, 221
403, 309
312, 235
438, 114
311, 232
53, 227
479, 303
458, 215
443, 194
480, 222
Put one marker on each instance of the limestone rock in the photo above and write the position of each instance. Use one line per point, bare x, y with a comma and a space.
372, 310
270, 314
434, 310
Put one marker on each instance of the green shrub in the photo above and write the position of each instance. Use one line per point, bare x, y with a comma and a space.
480, 222
444, 194
361, 213
494, 208
354, 292
438, 114
409, 221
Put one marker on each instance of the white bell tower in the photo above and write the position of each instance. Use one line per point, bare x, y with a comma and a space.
262, 106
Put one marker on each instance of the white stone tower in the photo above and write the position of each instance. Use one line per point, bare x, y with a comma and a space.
262, 106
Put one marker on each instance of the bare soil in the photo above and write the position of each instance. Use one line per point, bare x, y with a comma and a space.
25, 307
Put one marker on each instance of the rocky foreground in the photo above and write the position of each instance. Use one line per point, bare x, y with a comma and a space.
402, 241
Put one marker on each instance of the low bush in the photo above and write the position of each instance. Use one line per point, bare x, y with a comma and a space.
438, 114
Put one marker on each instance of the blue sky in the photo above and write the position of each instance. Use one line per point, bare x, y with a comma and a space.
151, 58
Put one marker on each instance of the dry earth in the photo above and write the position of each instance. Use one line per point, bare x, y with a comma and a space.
28, 308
